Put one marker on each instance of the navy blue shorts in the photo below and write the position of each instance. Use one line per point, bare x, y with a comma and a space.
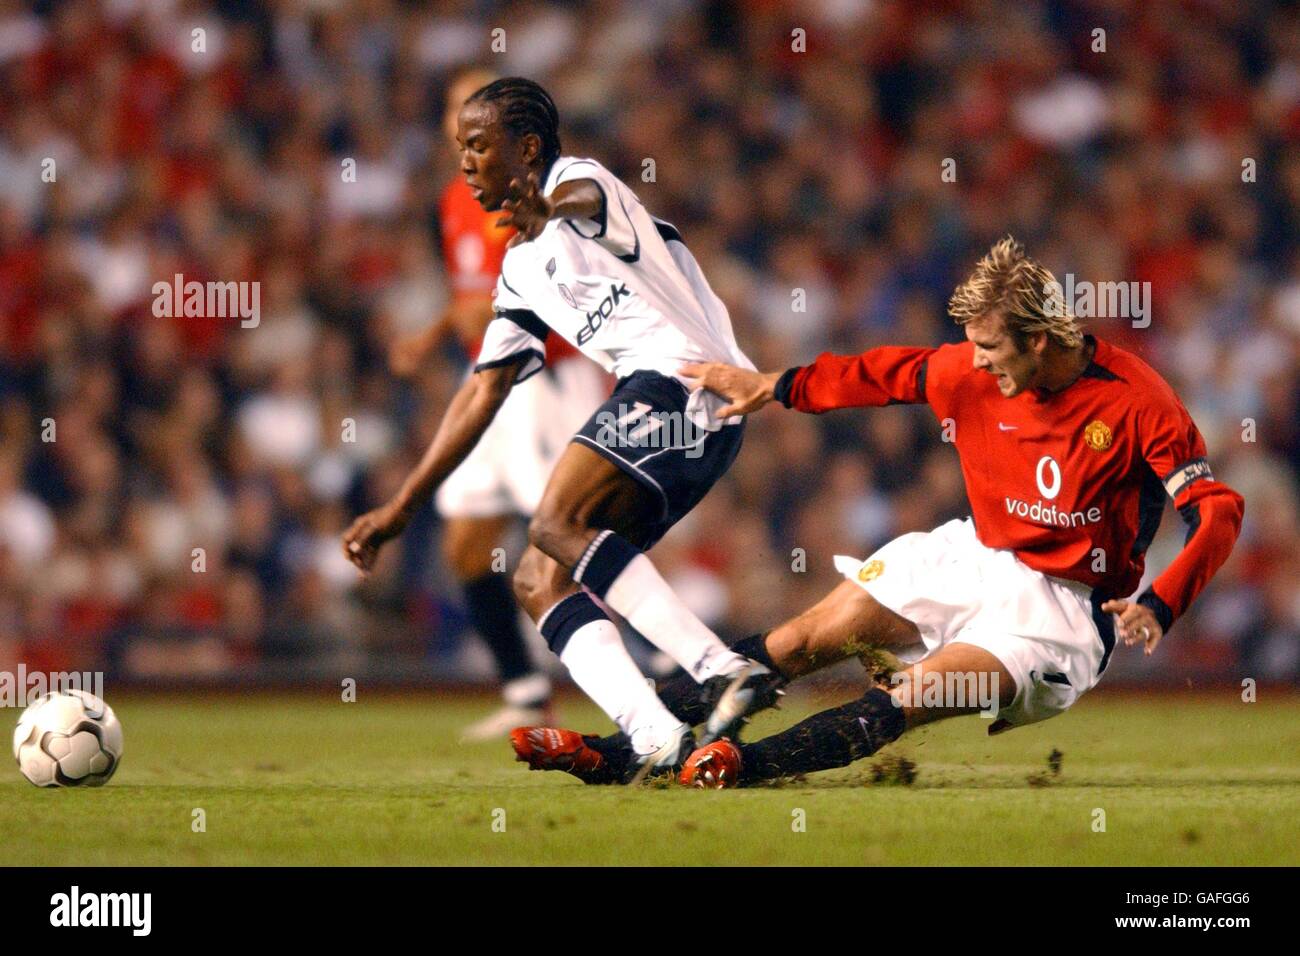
642, 428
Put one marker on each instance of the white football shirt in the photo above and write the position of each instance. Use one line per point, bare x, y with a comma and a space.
626, 292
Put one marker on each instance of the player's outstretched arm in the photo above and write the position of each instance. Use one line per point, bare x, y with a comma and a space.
747, 390
468, 416
886, 375
528, 211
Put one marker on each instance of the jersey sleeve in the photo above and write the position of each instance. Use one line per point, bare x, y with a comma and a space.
1173, 447
889, 375
615, 229
515, 332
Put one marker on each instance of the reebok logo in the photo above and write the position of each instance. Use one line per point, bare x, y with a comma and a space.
602, 312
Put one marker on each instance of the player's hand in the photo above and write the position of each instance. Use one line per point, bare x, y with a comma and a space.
362, 541
748, 391
1134, 624
527, 211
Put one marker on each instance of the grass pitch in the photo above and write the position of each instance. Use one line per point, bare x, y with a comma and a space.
306, 779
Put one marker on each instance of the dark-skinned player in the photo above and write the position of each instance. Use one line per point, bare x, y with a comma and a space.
591, 264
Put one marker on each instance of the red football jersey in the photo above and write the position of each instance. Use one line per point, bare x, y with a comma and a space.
473, 246
1074, 482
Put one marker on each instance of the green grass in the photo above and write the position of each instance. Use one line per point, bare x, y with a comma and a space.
303, 779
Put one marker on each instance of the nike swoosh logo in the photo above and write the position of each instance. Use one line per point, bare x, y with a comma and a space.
1007, 428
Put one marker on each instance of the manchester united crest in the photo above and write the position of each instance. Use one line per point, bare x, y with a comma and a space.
871, 570
1098, 435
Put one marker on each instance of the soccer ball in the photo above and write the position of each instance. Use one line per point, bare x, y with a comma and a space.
68, 739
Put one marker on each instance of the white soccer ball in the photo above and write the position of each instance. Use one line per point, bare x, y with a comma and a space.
68, 739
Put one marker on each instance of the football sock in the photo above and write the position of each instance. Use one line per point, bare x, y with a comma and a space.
755, 648
494, 614
681, 695
832, 738
627, 581
617, 751
589, 645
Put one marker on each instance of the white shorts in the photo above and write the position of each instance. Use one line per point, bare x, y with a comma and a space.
954, 589
507, 471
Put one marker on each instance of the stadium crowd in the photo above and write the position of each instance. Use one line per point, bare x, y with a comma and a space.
172, 490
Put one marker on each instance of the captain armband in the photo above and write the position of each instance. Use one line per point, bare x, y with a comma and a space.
1184, 475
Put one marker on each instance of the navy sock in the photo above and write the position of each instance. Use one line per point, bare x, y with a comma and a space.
618, 753
566, 617
494, 614
832, 738
603, 561
755, 648
683, 696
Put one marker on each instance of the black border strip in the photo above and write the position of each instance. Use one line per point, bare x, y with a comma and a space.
528, 320
514, 357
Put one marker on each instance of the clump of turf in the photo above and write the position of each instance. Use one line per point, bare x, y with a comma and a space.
1046, 778
880, 665
894, 770
1054, 761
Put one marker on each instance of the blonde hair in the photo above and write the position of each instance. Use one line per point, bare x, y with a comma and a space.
1024, 292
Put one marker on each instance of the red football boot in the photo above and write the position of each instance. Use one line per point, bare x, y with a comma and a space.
550, 748
712, 767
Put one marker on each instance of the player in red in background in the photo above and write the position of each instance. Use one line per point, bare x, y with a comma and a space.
1068, 447
503, 478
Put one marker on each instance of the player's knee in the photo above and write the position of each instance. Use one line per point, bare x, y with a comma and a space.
553, 534
537, 583
527, 583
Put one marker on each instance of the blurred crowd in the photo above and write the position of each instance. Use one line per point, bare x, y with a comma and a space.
172, 490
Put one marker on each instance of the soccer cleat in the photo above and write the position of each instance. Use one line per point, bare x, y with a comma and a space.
550, 748
503, 720
667, 759
714, 766
743, 694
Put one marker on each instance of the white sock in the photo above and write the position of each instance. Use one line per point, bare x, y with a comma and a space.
600, 664
645, 601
